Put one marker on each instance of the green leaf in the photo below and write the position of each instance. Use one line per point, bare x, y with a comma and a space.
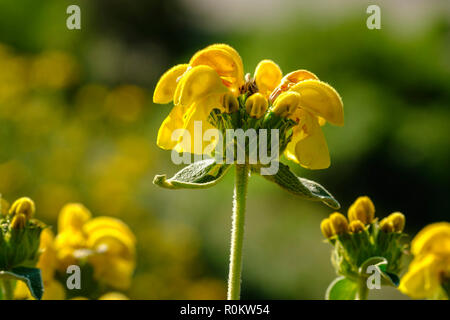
380, 264
301, 187
341, 289
201, 174
31, 276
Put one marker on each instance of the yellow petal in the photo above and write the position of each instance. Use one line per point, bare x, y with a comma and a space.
308, 146
290, 80
199, 111
165, 88
434, 238
287, 104
113, 241
113, 296
256, 105
321, 100
267, 76
172, 122
53, 290
73, 215
101, 223
113, 271
225, 61
47, 259
198, 83
422, 279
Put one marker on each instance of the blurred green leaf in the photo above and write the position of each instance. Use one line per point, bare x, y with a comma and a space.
341, 289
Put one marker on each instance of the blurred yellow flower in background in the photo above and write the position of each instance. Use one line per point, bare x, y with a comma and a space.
100, 156
105, 243
428, 275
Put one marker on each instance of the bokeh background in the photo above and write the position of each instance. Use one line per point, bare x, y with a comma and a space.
77, 124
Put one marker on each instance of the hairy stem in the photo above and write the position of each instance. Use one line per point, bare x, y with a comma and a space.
237, 232
363, 290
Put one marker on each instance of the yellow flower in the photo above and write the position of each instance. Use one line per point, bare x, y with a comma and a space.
317, 103
430, 268
104, 242
199, 87
196, 89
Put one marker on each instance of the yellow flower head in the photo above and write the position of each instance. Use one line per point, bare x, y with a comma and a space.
429, 272
199, 87
105, 243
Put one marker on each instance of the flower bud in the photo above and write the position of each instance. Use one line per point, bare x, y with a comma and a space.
256, 105
23, 205
398, 221
286, 104
362, 209
230, 103
339, 223
356, 226
325, 227
386, 225
19, 221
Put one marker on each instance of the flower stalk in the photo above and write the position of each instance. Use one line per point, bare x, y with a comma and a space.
363, 290
237, 232
7, 289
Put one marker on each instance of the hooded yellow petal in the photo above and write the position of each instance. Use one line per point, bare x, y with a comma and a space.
434, 238
113, 241
321, 100
102, 223
422, 279
225, 61
267, 76
199, 112
172, 122
290, 80
73, 215
198, 83
256, 105
165, 88
47, 259
287, 104
308, 146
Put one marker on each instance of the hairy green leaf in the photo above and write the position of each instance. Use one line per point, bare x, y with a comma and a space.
31, 276
301, 187
201, 174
